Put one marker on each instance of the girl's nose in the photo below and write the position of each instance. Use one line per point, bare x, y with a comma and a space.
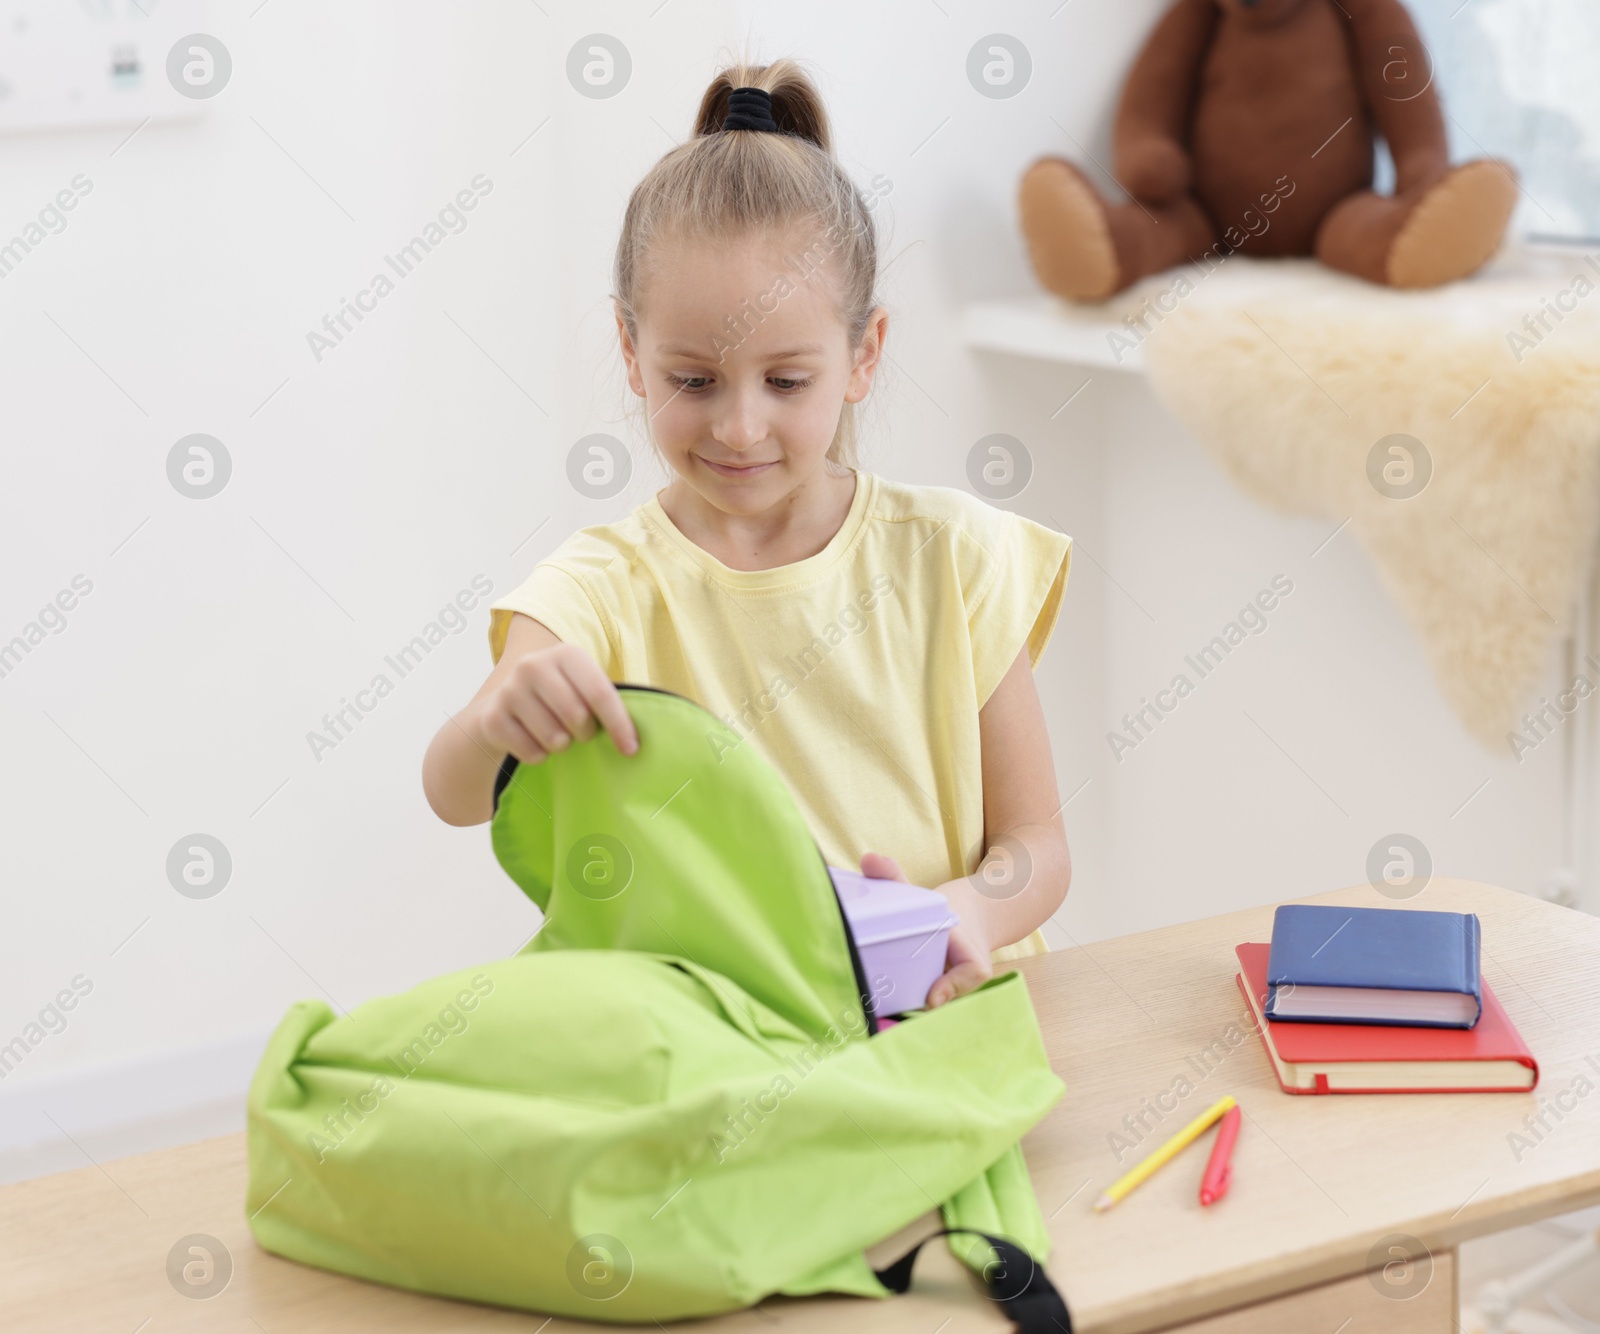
740, 425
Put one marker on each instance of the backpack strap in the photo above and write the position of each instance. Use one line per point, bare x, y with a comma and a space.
1018, 1283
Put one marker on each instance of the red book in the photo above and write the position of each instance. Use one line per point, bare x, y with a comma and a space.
1383, 1058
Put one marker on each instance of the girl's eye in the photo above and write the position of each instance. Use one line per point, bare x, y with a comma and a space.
693, 384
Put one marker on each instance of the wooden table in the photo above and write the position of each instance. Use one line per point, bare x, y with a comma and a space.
1318, 1181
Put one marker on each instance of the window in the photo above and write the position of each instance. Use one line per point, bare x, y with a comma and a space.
1518, 79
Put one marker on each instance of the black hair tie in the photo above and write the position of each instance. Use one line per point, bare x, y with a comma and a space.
750, 109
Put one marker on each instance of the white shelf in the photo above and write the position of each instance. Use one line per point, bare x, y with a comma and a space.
1050, 329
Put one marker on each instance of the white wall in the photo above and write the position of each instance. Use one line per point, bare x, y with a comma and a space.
375, 485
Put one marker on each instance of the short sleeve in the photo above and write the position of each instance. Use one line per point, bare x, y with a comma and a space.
557, 599
1020, 599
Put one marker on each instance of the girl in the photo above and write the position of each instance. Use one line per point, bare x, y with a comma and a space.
874, 641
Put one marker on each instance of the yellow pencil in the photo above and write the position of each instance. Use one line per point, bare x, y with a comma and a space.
1165, 1154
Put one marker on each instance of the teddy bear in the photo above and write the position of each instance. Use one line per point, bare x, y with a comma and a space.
1249, 126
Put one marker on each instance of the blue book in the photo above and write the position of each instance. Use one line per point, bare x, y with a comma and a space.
1374, 966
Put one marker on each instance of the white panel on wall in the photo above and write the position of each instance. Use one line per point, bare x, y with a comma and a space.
99, 62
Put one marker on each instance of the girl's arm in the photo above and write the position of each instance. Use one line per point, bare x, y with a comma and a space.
1021, 803
540, 697
1025, 872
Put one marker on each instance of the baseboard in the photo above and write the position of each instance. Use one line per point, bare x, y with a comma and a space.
56, 1122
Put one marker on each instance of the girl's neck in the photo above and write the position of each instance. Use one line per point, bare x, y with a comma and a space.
798, 526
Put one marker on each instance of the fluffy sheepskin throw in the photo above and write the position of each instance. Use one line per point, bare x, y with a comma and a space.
1456, 432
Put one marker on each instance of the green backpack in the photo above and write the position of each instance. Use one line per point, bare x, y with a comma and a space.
675, 1100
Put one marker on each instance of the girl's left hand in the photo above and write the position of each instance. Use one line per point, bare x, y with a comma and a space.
967, 963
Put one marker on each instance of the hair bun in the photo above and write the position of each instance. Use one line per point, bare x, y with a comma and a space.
796, 105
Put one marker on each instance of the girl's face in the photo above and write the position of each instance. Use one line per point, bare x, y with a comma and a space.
745, 366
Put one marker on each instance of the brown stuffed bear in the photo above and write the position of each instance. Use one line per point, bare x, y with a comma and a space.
1248, 125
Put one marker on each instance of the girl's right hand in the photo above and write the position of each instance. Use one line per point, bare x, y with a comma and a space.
550, 698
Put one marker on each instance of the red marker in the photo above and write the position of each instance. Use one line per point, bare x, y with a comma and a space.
1219, 1169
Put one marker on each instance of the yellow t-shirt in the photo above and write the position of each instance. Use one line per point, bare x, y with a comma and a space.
857, 672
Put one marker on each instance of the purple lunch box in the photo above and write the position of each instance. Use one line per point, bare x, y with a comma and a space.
901, 934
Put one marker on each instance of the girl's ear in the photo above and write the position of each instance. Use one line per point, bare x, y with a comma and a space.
630, 354
868, 354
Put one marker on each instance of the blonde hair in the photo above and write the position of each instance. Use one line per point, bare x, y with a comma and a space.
722, 185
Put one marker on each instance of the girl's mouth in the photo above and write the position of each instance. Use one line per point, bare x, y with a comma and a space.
737, 470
